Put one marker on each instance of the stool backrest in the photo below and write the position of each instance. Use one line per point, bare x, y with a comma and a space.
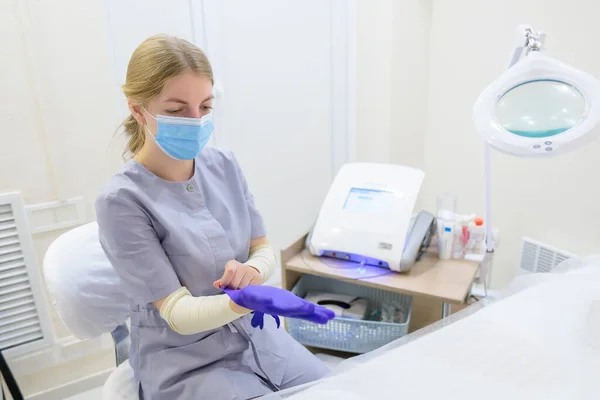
85, 289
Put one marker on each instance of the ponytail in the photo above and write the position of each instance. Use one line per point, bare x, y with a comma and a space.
136, 137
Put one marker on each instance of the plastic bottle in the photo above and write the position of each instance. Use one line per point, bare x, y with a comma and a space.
446, 208
445, 239
476, 237
461, 237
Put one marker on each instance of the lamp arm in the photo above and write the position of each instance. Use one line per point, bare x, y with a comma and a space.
526, 40
486, 264
487, 211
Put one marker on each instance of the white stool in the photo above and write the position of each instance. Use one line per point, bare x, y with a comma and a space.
121, 384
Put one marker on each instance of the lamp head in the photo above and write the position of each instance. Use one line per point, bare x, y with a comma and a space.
540, 107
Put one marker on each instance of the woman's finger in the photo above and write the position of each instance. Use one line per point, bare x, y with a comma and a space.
228, 275
256, 280
237, 279
246, 281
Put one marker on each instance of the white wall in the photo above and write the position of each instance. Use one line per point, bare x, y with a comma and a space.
374, 50
57, 107
420, 66
279, 101
57, 103
392, 79
410, 81
555, 200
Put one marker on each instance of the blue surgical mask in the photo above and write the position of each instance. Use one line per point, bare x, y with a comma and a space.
182, 138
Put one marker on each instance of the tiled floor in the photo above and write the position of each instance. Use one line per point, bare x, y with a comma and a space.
94, 394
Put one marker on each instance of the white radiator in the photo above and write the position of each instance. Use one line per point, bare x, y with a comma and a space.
24, 319
540, 257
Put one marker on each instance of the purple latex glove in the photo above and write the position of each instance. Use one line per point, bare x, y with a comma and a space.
278, 302
258, 319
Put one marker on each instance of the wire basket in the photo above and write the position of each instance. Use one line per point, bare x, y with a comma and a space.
345, 334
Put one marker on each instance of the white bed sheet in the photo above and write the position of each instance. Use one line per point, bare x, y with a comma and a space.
540, 343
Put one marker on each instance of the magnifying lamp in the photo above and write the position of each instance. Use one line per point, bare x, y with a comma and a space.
539, 107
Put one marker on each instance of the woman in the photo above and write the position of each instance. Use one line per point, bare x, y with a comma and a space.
178, 223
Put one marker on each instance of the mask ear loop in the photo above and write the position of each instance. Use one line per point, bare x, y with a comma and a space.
139, 157
146, 125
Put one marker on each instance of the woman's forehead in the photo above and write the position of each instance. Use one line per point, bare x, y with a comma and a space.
188, 87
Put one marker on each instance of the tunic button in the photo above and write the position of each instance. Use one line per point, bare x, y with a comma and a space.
190, 188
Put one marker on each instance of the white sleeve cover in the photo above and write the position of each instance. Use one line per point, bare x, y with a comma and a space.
262, 258
188, 315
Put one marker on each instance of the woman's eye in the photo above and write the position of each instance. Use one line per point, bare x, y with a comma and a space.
173, 111
207, 108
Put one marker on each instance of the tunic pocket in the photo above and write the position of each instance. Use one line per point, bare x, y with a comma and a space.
164, 363
206, 368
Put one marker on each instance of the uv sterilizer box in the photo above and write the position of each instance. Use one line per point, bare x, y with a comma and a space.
367, 215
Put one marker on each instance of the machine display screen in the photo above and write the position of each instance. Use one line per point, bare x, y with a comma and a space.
369, 201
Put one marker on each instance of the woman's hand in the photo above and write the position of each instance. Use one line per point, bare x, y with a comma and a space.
237, 276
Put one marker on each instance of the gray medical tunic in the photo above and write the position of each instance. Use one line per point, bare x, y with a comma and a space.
161, 235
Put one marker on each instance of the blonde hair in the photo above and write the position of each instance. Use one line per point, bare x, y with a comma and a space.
153, 64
